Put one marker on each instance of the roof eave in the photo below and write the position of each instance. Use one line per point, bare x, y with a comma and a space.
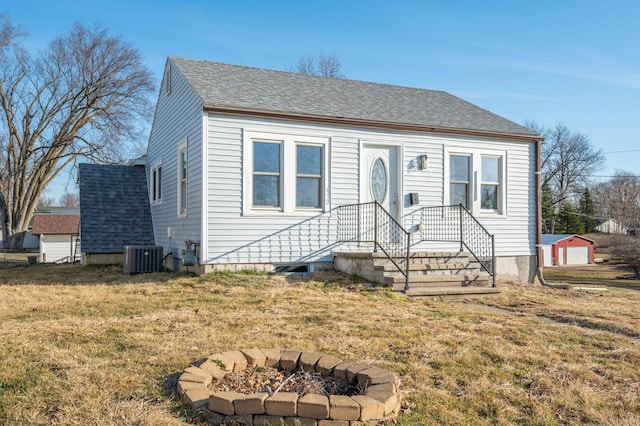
367, 123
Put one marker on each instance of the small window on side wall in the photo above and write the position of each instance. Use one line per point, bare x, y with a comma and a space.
182, 173
156, 184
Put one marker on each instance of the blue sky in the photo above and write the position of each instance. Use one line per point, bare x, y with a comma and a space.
551, 61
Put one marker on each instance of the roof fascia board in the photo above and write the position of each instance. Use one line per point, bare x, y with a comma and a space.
367, 123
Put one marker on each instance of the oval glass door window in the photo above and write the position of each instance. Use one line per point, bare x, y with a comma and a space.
379, 180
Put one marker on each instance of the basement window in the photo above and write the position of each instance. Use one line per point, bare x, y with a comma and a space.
292, 268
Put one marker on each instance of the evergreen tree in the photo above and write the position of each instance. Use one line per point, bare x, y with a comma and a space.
568, 221
588, 212
548, 210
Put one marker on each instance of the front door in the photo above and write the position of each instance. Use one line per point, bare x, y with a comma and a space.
380, 177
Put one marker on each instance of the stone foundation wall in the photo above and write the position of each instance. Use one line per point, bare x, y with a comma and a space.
379, 401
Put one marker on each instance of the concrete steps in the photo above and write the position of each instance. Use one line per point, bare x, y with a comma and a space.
431, 274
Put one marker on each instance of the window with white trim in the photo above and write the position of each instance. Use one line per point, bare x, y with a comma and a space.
284, 173
156, 183
182, 178
460, 179
476, 179
490, 183
267, 170
309, 176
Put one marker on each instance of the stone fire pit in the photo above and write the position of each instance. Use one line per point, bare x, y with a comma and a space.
375, 400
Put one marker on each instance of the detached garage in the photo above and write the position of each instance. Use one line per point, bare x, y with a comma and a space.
567, 249
58, 234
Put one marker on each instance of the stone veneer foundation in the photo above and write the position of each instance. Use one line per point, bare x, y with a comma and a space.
379, 403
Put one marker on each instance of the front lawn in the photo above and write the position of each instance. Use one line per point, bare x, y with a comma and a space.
88, 345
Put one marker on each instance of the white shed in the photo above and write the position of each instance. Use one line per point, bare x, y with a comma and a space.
58, 235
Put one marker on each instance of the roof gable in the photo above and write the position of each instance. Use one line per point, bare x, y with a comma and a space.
554, 238
260, 90
55, 224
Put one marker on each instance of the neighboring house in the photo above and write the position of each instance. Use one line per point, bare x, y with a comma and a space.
567, 249
32, 241
257, 168
114, 211
58, 236
610, 226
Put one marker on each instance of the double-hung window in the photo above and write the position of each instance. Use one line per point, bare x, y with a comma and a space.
182, 178
309, 184
284, 173
476, 179
267, 172
156, 183
490, 184
460, 179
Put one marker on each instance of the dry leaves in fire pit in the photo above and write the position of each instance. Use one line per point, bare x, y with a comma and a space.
272, 380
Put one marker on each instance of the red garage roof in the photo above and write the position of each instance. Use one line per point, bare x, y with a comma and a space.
55, 224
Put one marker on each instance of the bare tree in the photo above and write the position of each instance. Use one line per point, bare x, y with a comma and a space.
627, 250
45, 201
619, 199
569, 159
69, 199
80, 98
321, 64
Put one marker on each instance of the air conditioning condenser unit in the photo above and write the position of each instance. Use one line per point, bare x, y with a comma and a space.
141, 259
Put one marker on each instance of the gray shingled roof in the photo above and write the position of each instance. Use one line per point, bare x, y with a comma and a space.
114, 208
232, 86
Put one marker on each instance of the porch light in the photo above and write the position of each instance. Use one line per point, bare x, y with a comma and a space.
423, 162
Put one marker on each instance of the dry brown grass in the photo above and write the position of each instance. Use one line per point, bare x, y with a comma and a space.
88, 345
11, 258
601, 274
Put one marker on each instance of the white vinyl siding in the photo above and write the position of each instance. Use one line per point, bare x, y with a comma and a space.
235, 236
178, 117
58, 248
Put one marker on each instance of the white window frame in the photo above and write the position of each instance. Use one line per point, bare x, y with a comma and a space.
182, 179
499, 184
468, 182
288, 174
155, 189
280, 173
475, 177
322, 176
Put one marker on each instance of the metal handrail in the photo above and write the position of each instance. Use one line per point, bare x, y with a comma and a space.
456, 224
371, 223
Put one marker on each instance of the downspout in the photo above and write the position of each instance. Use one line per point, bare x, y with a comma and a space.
538, 174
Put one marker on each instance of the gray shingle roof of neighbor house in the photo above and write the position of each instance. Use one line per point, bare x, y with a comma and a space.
254, 89
114, 208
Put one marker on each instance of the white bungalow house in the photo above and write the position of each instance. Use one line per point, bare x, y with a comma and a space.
610, 226
254, 168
